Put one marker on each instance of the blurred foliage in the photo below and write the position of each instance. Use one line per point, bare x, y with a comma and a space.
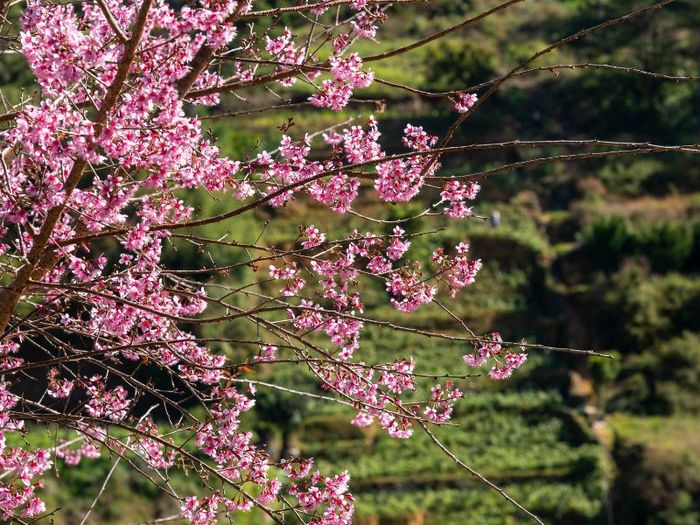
456, 64
660, 471
672, 371
651, 309
667, 246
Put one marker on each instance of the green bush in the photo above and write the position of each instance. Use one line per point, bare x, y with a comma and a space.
609, 241
650, 310
673, 371
457, 64
628, 178
693, 262
667, 246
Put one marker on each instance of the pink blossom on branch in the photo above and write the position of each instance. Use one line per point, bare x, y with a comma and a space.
505, 361
110, 154
464, 102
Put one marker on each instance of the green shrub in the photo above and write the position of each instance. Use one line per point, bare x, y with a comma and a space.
457, 64
650, 310
667, 246
693, 262
609, 241
628, 178
673, 371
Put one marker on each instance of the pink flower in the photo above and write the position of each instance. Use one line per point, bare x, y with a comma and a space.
267, 353
398, 247
339, 191
464, 102
409, 292
59, 388
34, 507
416, 139
112, 403
364, 25
398, 181
378, 265
314, 237
505, 363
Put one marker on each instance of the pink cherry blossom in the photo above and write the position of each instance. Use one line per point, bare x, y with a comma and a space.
464, 102
103, 169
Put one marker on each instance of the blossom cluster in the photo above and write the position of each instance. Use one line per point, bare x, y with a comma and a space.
456, 193
347, 75
239, 461
442, 400
338, 277
505, 361
18, 467
8, 359
95, 181
378, 400
464, 102
456, 271
345, 71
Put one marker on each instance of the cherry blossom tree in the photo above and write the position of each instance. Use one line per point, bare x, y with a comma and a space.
107, 151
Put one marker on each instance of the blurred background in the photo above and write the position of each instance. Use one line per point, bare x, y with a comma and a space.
600, 254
